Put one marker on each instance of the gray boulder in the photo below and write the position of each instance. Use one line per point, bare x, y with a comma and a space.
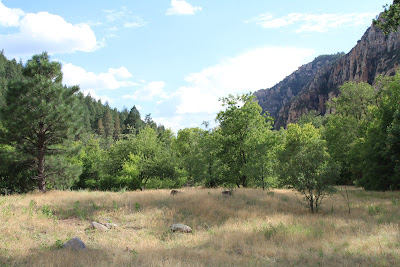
99, 226
75, 244
178, 227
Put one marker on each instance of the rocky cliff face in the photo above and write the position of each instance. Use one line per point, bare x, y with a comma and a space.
274, 98
375, 54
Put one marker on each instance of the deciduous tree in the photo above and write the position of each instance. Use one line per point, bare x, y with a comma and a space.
306, 165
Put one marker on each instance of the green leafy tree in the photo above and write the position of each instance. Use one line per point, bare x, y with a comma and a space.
313, 117
210, 149
40, 112
346, 128
92, 158
394, 142
156, 159
306, 165
380, 147
240, 120
264, 158
389, 20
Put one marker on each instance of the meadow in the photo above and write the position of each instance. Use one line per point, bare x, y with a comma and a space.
250, 228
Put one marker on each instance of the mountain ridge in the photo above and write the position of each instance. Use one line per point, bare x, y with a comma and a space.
318, 81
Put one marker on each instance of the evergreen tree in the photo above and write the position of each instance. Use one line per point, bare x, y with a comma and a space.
108, 122
148, 121
117, 127
100, 127
40, 112
133, 121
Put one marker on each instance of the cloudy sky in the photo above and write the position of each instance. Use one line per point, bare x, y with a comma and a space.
175, 59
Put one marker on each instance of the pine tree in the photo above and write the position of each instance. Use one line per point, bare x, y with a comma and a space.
40, 112
117, 130
133, 121
108, 123
100, 127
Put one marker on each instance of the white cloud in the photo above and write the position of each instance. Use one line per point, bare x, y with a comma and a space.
93, 94
124, 16
178, 122
121, 72
247, 72
116, 14
181, 7
136, 23
74, 75
47, 32
9, 17
149, 91
313, 22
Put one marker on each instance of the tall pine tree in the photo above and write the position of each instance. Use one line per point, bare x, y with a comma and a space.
40, 112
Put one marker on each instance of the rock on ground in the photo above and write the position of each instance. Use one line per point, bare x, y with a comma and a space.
75, 244
99, 226
181, 228
111, 225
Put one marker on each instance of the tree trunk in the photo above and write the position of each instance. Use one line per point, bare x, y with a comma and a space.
262, 178
41, 152
311, 202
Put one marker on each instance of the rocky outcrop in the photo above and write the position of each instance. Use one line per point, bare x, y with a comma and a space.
274, 98
375, 54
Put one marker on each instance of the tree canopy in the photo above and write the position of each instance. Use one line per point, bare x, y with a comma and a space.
389, 20
40, 112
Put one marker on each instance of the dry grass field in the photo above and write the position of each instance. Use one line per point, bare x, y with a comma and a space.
250, 228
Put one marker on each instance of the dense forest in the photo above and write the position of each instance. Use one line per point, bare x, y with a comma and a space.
54, 137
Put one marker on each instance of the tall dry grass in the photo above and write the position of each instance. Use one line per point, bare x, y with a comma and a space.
250, 228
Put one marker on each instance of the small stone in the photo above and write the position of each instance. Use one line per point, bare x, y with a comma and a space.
181, 228
99, 226
111, 225
75, 244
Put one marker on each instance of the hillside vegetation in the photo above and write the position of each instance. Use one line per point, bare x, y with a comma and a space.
250, 228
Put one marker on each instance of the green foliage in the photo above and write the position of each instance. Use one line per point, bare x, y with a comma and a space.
346, 128
306, 165
380, 148
313, 117
48, 212
91, 158
39, 111
389, 20
241, 123
133, 122
15, 171
197, 151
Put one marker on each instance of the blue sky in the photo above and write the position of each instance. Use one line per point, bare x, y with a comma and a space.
175, 59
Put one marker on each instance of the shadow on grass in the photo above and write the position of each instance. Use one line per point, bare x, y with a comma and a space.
228, 248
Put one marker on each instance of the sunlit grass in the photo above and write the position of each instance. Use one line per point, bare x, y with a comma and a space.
252, 227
